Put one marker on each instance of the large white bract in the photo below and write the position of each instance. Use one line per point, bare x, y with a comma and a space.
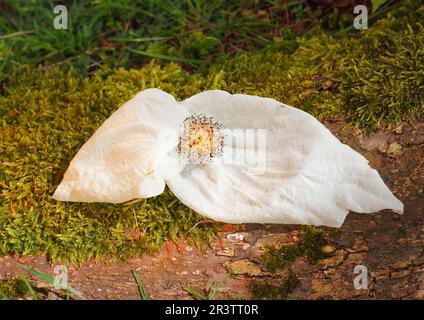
309, 176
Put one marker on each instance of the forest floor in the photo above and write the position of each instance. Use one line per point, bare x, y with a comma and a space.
389, 246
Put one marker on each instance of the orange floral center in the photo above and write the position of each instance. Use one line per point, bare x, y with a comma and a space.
201, 139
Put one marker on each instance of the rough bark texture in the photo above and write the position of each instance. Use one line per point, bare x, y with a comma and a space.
391, 246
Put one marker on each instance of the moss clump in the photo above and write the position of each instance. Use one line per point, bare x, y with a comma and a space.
310, 245
381, 76
312, 241
265, 290
280, 258
377, 75
14, 287
44, 121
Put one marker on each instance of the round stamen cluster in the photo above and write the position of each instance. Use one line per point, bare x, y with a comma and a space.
201, 139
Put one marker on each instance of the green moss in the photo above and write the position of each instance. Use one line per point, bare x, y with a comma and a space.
381, 75
14, 287
265, 290
280, 258
312, 241
310, 245
44, 121
376, 75
294, 78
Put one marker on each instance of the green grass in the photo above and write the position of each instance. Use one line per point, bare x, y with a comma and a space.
20, 286
127, 33
209, 294
46, 278
34, 294
141, 289
46, 114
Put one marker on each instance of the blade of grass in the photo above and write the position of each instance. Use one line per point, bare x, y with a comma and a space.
215, 288
165, 57
33, 293
47, 278
141, 288
377, 4
194, 292
213, 292
41, 275
147, 39
16, 34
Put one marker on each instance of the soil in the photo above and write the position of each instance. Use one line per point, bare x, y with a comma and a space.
389, 245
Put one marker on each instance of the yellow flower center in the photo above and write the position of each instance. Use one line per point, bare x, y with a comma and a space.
201, 139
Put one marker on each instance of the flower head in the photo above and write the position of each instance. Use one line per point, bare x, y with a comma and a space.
306, 176
201, 139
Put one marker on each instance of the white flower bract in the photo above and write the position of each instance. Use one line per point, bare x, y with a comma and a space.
306, 175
